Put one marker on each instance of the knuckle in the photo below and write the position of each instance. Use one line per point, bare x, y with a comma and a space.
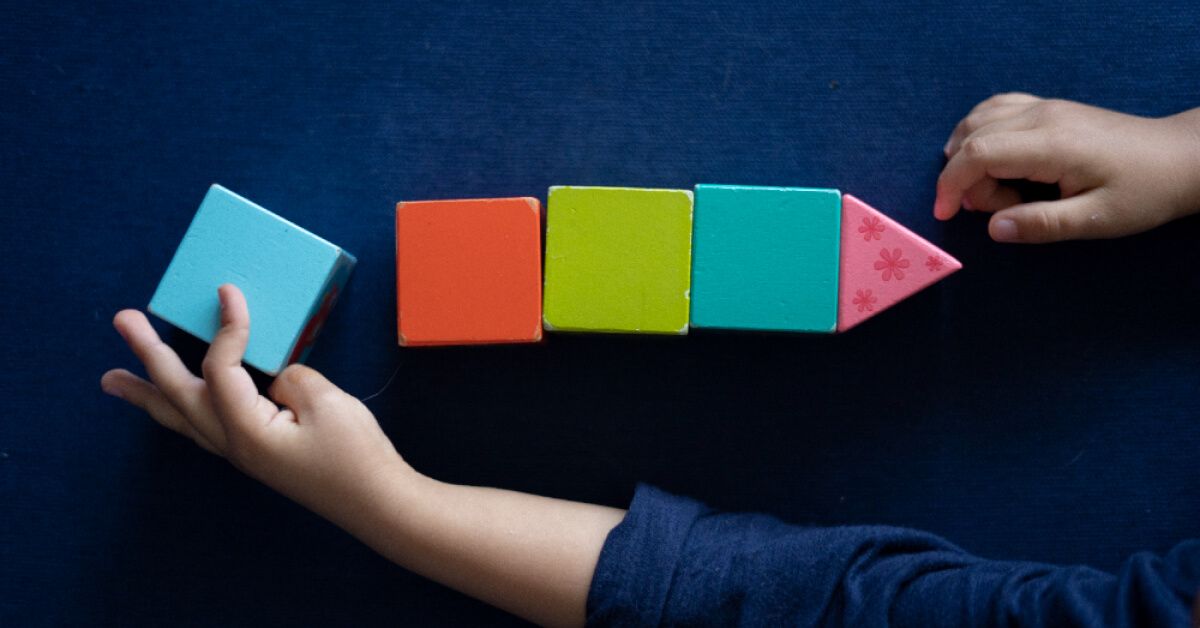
161, 349
236, 331
296, 374
1051, 110
991, 100
209, 365
1047, 225
972, 122
1000, 99
311, 386
1015, 96
159, 354
975, 148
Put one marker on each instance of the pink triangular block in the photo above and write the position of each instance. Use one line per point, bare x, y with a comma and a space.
882, 263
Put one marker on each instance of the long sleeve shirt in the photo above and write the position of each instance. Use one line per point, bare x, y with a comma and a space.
674, 561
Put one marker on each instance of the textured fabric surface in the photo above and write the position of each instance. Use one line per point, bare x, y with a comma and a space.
675, 562
1041, 404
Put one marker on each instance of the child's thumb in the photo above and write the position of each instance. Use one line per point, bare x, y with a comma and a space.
1076, 218
302, 389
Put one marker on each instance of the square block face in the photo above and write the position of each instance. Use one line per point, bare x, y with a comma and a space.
291, 278
469, 271
618, 260
766, 258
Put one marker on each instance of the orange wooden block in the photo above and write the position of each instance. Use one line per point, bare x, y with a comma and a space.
469, 271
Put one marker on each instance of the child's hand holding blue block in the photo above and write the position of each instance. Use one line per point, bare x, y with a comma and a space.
290, 277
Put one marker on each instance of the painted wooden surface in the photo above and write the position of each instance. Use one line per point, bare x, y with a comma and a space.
285, 272
883, 263
469, 271
618, 260
765, 258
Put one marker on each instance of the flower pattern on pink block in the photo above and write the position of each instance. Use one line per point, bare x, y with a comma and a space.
892, 263
871, 228
864, 300
934, 263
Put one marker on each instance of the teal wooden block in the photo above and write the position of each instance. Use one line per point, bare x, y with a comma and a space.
765, 258
291, 278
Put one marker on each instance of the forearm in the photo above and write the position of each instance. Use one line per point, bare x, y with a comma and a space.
532, 556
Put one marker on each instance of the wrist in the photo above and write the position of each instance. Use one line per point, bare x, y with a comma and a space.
404, 516
380, 502
1187, 129
397, 488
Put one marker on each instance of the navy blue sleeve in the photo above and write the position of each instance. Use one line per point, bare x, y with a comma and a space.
675, 561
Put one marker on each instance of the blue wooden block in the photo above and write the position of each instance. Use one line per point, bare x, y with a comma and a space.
291, 278
765, 258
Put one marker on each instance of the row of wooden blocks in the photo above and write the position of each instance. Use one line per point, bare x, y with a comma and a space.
618, 260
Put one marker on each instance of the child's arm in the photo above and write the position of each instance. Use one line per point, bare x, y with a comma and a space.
670, 561
675, 562
529, 555
1119, 174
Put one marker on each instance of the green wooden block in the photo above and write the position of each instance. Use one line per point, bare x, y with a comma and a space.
618, 260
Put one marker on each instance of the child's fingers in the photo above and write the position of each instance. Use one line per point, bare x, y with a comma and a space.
303, 389
979, 120
988, 195
179, 386
145, 395
233, 391
1015, 155
1076, 218
167, 371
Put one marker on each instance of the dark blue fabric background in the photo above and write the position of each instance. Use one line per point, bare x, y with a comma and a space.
1041, 404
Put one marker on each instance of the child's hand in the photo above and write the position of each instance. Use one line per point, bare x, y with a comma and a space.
533, 556
322, 448
1118, 174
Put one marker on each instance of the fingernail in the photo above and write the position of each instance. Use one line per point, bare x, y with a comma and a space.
967, 205
1004, 230
110, 390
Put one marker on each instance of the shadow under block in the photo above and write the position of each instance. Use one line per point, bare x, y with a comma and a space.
883, 263
618, 260
766, 258
469, 271
291, 278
